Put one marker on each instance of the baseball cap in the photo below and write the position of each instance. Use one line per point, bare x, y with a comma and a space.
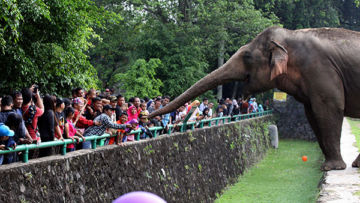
77, 100
107, 107
5, 131
113, 99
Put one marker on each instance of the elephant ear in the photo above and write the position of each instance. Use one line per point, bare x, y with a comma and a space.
278, 61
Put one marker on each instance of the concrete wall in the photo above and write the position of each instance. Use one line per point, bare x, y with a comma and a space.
291, 120
185, 167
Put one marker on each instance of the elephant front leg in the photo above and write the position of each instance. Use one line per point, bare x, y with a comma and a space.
327, 123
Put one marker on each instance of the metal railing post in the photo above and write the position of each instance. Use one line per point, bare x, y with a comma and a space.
26, 155
93, 144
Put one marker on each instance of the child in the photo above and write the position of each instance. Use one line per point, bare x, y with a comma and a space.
143, 126
121, 134
72, 132
134, 123
6, 139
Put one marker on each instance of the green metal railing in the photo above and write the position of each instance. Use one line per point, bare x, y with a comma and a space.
155, 131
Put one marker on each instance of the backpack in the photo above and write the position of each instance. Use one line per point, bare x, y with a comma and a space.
30, 115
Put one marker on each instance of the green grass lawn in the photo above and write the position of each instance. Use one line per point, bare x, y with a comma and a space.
355, 129
281, 177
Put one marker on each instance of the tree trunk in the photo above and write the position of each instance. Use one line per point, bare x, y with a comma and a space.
220, 63
236, 87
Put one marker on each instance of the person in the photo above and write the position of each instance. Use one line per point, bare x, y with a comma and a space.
60, 117
24, 136
133, 126
31, 114
220, 111
261, 109
70, 128
47, 124
113, 102
157, 105
95, 109
105, 121
204, 104
244, 107
91, 94
205, 114
195, 115
80, 122
14, 122
136, 104
166, 118
210, 106
120, 103
143, 126
6, 140
236, 108
253, 107
180, 114
121, 134
133, 113
6, 108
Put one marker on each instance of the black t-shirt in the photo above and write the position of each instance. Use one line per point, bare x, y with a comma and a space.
46, 126
61, 119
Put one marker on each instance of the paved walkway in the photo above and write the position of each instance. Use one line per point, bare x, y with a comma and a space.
341, 186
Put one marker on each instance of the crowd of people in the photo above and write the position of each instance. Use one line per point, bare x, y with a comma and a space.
26, 118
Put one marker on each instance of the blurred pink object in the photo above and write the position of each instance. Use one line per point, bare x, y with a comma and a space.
139, 197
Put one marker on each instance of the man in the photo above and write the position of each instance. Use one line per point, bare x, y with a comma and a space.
166, 118
204, 104
95, 109
6, 108
210, 106
106, 122
157, 119
32, 112
24, 136
120, 103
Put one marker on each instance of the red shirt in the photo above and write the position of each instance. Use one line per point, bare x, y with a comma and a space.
32, 129
82, 122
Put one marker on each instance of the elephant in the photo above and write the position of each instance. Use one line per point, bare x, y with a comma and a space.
319, 67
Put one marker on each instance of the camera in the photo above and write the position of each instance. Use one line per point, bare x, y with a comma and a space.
36, 88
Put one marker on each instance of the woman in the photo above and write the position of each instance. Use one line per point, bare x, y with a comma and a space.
47, 123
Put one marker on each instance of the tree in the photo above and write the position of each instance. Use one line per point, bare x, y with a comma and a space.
45, 42
140, 79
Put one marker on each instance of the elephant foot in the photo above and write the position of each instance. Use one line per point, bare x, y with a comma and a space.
356, 163
333, 165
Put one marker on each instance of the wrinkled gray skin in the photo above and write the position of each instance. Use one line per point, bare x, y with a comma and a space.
319, 67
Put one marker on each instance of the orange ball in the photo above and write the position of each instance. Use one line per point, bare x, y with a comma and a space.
304, 158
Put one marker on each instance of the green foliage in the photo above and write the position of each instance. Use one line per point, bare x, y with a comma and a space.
140, 79
295, 14
45, 42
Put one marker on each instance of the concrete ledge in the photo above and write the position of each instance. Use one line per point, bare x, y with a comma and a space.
185, 167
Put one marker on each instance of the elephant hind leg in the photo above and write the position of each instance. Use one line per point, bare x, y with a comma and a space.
356, 163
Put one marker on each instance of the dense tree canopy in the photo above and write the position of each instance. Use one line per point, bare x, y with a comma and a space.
68, 43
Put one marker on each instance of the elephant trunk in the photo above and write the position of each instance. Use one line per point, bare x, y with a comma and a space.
228, 72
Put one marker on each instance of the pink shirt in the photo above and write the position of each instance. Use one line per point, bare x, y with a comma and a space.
72, 132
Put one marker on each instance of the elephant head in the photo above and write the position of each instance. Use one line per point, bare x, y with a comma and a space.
256, 64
